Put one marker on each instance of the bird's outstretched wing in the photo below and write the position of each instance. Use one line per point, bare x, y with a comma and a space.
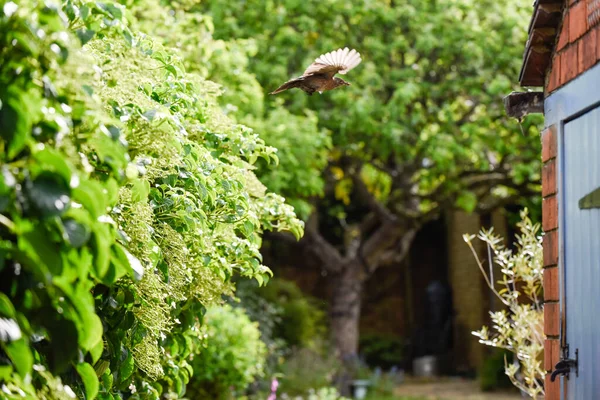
329, 64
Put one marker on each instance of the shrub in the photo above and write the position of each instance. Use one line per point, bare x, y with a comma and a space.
492, 375
382, 350
306, 369
519, 328
302, 320
232, 355
268, 317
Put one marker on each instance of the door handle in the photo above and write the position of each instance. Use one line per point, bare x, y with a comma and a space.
564, 366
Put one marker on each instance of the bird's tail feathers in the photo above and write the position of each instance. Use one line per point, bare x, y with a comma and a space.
288, 85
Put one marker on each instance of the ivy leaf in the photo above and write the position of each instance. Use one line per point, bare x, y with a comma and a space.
90, 380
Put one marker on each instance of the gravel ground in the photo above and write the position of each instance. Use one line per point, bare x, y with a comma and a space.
452, 389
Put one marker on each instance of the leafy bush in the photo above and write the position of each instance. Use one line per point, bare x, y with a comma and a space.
231, 357
302, 321
127, 200
306, 369
268, 317
492, 375
519, 328
326, 393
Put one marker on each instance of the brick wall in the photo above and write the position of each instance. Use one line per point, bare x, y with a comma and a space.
551, 280
470, 294
578, 45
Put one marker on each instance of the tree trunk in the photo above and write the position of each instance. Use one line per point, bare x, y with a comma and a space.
345, 318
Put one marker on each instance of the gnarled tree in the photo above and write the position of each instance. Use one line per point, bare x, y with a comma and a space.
421, 129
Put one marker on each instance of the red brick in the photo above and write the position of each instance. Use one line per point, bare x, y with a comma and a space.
551, 389
597, 30
551, 321
550, 248
568, 64
551, 354
549, 213
549, 143
551, 290
586, 49
554, 76
563, 38
577, 21
549, 178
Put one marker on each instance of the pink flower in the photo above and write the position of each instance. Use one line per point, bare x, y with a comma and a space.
274, 386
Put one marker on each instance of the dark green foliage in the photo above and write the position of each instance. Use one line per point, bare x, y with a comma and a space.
491, 374
302, 322
307, 369
379, 350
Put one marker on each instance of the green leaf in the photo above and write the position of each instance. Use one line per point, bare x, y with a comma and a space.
132, 264
89, 378
48, 194
77, 234
101, 368
85, 35
42, 255
126, 368
96, 351
111, 9
5, 372
90, 194
20, 354
467, 201
6, 307
140, 188
52, 161
15, 121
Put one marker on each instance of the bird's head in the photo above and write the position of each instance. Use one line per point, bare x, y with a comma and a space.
340, 82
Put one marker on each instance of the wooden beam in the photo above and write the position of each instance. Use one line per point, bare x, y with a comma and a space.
520, 104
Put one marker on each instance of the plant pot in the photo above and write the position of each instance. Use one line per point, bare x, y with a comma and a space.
425, 367
360, 388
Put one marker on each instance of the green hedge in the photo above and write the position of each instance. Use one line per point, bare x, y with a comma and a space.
127, 203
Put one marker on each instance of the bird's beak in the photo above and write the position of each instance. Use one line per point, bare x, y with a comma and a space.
347, 83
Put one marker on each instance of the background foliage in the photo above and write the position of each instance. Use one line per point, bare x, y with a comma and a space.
231, 358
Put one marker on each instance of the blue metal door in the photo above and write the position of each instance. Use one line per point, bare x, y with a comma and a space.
581, 240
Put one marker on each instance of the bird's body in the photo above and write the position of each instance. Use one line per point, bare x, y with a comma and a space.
319, 76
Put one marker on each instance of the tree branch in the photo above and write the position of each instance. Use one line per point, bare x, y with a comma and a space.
329, 256
378, 208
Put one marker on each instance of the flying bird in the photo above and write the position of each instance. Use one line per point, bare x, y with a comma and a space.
319, 76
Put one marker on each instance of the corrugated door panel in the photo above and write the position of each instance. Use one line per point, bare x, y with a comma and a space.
581, 176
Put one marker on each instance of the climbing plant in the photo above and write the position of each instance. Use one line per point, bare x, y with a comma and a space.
127, 203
